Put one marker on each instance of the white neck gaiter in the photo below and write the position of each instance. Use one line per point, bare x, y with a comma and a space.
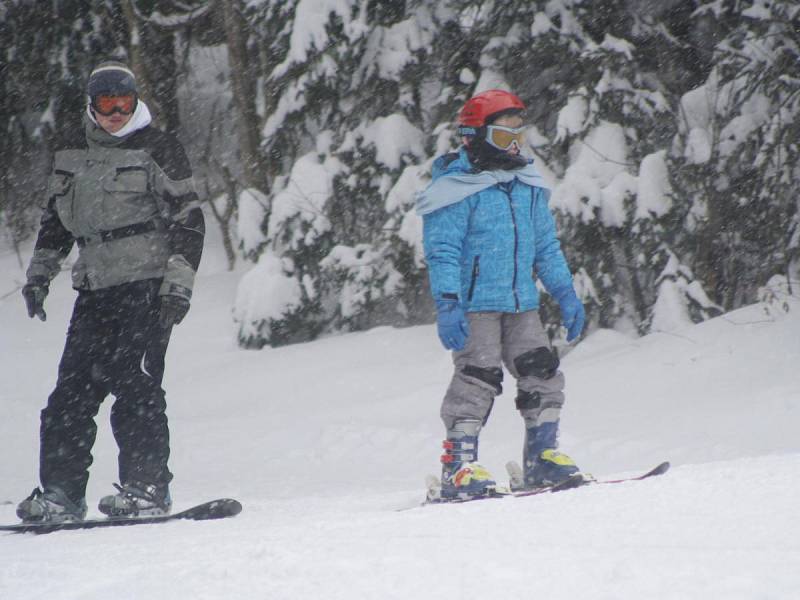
141, 118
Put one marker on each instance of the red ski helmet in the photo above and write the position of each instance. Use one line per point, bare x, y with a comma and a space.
480, 108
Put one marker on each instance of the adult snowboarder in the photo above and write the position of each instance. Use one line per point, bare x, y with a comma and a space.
488, 237
123, 192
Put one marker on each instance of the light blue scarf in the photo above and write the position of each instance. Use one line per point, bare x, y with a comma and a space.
453, 187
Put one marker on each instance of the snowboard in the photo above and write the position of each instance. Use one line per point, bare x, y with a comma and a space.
215, 509
576, 481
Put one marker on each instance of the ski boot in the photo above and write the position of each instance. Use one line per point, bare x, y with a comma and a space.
462, 476
50, 506
135, 499
544, 465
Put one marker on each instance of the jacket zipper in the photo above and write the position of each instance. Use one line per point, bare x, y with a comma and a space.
475, 271
516, 250
533, 201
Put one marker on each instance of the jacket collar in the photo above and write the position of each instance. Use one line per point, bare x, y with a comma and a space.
140, 119
455, 181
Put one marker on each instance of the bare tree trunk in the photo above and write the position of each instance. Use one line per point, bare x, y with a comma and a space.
161, 73
225, 217
152, 56
135, 51
244, 96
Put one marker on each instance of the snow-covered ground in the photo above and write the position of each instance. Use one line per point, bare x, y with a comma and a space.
324, 442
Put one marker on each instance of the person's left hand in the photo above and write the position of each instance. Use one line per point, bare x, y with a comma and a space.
572, 314
173, 310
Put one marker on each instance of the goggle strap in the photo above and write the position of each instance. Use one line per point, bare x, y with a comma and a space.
511, 130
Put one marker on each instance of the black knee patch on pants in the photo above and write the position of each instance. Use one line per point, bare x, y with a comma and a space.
542, 363
528, 400
491, 375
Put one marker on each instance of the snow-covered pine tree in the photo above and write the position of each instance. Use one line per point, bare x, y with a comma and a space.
46, 52
348, 95
736, 155
603, 122
666, 170
680, 298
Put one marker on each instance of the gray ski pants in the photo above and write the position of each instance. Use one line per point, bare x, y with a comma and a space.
519, 341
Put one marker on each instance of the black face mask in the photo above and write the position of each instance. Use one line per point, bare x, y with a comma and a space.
485, 157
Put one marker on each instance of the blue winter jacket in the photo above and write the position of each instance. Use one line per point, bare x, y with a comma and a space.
489, 235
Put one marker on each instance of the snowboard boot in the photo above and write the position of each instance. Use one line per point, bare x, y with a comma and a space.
135, 499
50, 506
462, 476
543, 464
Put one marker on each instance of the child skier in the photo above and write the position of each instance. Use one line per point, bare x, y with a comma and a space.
488, 237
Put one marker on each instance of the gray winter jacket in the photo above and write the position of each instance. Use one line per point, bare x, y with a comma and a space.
129, 204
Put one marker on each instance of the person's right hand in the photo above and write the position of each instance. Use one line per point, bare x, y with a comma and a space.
34, 292
452, 324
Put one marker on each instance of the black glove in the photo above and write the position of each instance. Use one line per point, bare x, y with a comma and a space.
173, 310
34, 292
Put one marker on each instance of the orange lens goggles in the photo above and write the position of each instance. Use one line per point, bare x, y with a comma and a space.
503, 137
108, 105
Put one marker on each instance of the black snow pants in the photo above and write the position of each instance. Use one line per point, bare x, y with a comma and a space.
114, 345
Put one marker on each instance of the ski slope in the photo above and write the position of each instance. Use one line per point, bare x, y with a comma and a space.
324, 442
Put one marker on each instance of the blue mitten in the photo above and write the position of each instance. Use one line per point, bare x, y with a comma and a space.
451, 323
572, 314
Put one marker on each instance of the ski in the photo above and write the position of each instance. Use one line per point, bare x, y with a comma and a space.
434, 493
215, 509
576, 481
659, 469
581, 479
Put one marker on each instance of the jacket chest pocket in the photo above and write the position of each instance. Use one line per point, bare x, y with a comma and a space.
126, 197
127, 180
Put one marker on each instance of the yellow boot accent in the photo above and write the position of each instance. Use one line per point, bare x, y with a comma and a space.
471, 472
556, 457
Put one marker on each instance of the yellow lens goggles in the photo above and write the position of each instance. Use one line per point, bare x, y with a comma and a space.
503, 137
